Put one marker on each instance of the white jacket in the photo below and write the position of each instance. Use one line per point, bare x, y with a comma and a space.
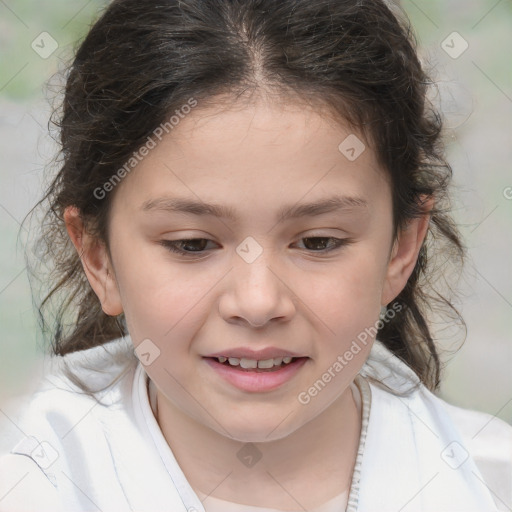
421, 454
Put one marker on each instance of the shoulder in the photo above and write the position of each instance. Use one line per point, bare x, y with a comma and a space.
73, 384
61, 416
99, 375
462, 434
87, 373
488, 440
24, 487
487, 435
481, 430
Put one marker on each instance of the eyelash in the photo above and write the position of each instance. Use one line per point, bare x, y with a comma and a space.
172, 245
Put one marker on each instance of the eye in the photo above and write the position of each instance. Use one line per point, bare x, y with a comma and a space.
196, 245
323, 245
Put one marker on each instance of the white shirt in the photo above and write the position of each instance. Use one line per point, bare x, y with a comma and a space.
417, 453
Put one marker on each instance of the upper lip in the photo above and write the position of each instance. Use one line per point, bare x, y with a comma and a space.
260, 355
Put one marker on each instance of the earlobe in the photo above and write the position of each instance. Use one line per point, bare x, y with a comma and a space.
95, 261
404, 254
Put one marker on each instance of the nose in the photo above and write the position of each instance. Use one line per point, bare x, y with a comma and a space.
257, 293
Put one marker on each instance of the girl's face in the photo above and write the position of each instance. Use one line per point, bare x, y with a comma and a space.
267, 271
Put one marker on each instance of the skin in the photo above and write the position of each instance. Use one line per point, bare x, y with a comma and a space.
255, 160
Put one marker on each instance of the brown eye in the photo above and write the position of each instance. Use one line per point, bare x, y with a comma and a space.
321, 243
190, 246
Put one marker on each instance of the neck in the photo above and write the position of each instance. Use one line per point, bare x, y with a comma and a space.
308, 467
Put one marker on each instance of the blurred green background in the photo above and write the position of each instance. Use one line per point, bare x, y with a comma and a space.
475, 92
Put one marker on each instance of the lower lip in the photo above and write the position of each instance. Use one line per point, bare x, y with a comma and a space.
257, 382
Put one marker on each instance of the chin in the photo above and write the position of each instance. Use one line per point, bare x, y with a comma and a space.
265, 431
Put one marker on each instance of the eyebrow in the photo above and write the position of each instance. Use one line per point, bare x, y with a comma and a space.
330, 204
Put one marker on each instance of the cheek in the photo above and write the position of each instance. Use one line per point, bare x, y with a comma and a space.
345, 300
351, 285
163, 308
156, 295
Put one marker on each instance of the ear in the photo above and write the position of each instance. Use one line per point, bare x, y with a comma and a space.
95, 261
404, 253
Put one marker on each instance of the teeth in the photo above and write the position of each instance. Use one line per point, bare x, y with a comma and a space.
268, 363
253, 363
248, 363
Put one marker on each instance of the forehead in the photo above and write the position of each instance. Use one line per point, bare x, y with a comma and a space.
266, 152
292, 125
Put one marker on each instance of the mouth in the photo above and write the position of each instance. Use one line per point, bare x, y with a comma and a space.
252, 376
257, 366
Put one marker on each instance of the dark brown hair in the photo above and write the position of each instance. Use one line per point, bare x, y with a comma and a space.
144, 59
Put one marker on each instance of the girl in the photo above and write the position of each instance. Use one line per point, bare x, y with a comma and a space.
244, 230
